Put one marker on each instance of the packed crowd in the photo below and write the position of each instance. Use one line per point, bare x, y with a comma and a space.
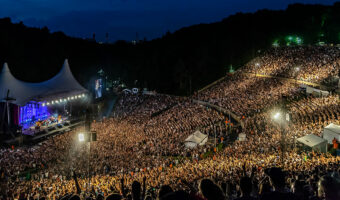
307, 63
143, 106
138, 146
303, 175
245, 96
144, 143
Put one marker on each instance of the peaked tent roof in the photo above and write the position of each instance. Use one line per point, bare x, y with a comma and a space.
19, 90
64, 82
334, 128
197, 137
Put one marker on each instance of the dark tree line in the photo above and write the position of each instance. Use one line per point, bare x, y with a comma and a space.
191, 57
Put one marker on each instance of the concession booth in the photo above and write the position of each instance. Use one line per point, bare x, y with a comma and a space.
313, 142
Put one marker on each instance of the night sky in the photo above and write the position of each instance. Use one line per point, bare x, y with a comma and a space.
123, 18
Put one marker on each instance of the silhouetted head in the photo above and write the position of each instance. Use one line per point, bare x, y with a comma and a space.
277, 177
74, 197
328, 187
165, 189
114, 197
246, 186
178, 195
210, 190
136, 190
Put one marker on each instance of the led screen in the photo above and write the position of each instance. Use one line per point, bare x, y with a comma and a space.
98, 88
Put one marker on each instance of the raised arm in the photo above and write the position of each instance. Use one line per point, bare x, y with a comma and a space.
144, 187
76, 182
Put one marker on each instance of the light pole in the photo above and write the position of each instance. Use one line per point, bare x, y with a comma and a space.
282, 118
88, 165
297, 69
215, 135
229, 123
256, 66
86, 137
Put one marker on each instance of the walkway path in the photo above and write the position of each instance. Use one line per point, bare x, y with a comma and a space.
289, 79
225, 111
268, 76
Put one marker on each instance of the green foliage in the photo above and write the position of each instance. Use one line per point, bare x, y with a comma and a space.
231, 70
207, 154
293, 40
276, 43
220, 146
332, 151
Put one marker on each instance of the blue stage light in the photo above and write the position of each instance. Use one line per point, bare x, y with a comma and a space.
32, 112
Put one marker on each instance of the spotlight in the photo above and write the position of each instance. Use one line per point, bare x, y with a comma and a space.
79, 96
68, 98
52, 102
43, 104
81, 137
72, 98
277, 115
65, 100
47, 103
60, 100
83, 95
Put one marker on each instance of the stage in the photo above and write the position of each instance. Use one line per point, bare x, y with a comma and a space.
30, 108
45, 134
38, 126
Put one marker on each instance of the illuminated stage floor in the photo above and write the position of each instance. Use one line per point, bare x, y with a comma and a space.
32, 130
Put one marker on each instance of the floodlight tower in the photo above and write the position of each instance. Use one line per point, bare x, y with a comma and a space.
88, 137
256, 66
282, 118
297, 69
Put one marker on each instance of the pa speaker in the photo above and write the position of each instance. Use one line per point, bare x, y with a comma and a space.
93, 136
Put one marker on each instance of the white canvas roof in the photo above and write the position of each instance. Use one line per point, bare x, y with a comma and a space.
193, 139
330, 132
334, 128
310, 90
311, 140
242, 137
200, 135
197, 138
61, 84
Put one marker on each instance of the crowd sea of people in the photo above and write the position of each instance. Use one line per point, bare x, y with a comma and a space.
140, 152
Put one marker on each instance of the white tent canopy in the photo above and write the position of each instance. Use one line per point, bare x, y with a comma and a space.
242, 137
61, 84
315, 142
197, 138
330, 132
311, 90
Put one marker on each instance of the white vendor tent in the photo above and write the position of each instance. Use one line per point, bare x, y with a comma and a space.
315, 142
330, 132
61, 85
197, 138
317, 92
242, 137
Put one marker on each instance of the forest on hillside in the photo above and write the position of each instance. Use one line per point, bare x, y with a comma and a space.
178, 63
